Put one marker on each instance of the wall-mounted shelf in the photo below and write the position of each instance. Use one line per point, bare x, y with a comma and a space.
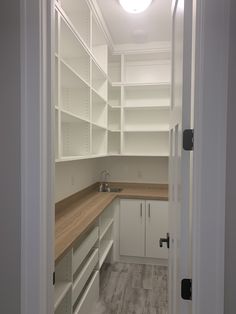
105, 104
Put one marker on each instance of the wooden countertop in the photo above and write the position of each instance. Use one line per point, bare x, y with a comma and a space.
77, 212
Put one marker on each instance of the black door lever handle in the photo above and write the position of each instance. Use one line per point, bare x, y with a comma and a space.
165, 240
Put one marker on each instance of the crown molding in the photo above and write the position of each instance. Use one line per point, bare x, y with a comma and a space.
100, 20
152, 47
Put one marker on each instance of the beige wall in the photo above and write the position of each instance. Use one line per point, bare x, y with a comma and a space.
136, 169
74, 176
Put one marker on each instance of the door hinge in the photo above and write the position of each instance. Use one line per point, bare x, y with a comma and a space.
186, 289
54, 278
188, 139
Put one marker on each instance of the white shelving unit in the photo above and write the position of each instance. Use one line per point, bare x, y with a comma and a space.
114, 68
99, 46
146, 68
63, 284
105, 103
78, 13
106, 237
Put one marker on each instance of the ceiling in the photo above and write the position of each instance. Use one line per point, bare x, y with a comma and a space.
153, 25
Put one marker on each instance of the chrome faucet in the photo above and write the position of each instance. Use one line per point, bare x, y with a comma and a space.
104, 186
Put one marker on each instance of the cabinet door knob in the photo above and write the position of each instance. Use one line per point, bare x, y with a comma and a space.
149, 210
141, 209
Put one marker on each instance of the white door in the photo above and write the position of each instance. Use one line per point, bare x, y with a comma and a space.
132, 227
179, 162
156, 228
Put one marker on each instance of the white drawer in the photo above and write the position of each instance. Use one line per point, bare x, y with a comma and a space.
83, 249
84, 275
89, 297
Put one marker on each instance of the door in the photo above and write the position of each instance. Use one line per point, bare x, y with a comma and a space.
156, 228
179, 161
132, 227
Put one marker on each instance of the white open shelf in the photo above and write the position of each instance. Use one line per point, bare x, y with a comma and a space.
99, 46
73, 52
63, 275
146, 120
146, 143
114, 67
144, 68
99, 111
99, 141
105, 104
75, 136
99, 81
56, 134
56, 82
147, 96
78, 13
114, 96
75, 93
114, 119
114, 143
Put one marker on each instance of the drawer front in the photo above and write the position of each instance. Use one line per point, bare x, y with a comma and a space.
81, 252
84, 275
89, 297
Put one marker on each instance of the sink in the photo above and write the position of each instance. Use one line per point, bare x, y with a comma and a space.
113, 190
116, 190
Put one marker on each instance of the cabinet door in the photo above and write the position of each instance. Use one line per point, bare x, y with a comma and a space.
132, 227
156, 228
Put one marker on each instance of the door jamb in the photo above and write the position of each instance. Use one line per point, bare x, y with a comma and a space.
211, 81
37, 158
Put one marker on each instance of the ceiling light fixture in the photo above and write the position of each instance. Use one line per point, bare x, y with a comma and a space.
135, 6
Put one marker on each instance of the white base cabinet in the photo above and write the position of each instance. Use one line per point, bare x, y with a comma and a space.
132, 227
142, 224
156, 228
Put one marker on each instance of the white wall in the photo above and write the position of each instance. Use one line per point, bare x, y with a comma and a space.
74, 176
10, 158
136, 169
230, 217
71, 177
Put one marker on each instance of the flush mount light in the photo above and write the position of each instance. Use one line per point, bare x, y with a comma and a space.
135, 6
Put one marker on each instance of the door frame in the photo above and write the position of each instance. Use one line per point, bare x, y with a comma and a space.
37, 158
209, 165
38, 165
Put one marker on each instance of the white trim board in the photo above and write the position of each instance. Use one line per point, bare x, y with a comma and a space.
211, 80
37, 159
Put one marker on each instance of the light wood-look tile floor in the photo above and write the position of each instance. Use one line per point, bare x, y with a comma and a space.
132, 289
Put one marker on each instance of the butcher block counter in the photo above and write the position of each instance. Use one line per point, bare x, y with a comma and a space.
77, 212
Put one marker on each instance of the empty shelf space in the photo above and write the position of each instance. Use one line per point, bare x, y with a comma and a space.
65, 306
114, 143
146, 120
107, 225
74, 136
99, 81
78, 14
114, 120
73, 53
150, 96
104, 251
99, 46
143, 68
114, 96
60, 290
99, 111
114, 67
146, 143
99, 141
